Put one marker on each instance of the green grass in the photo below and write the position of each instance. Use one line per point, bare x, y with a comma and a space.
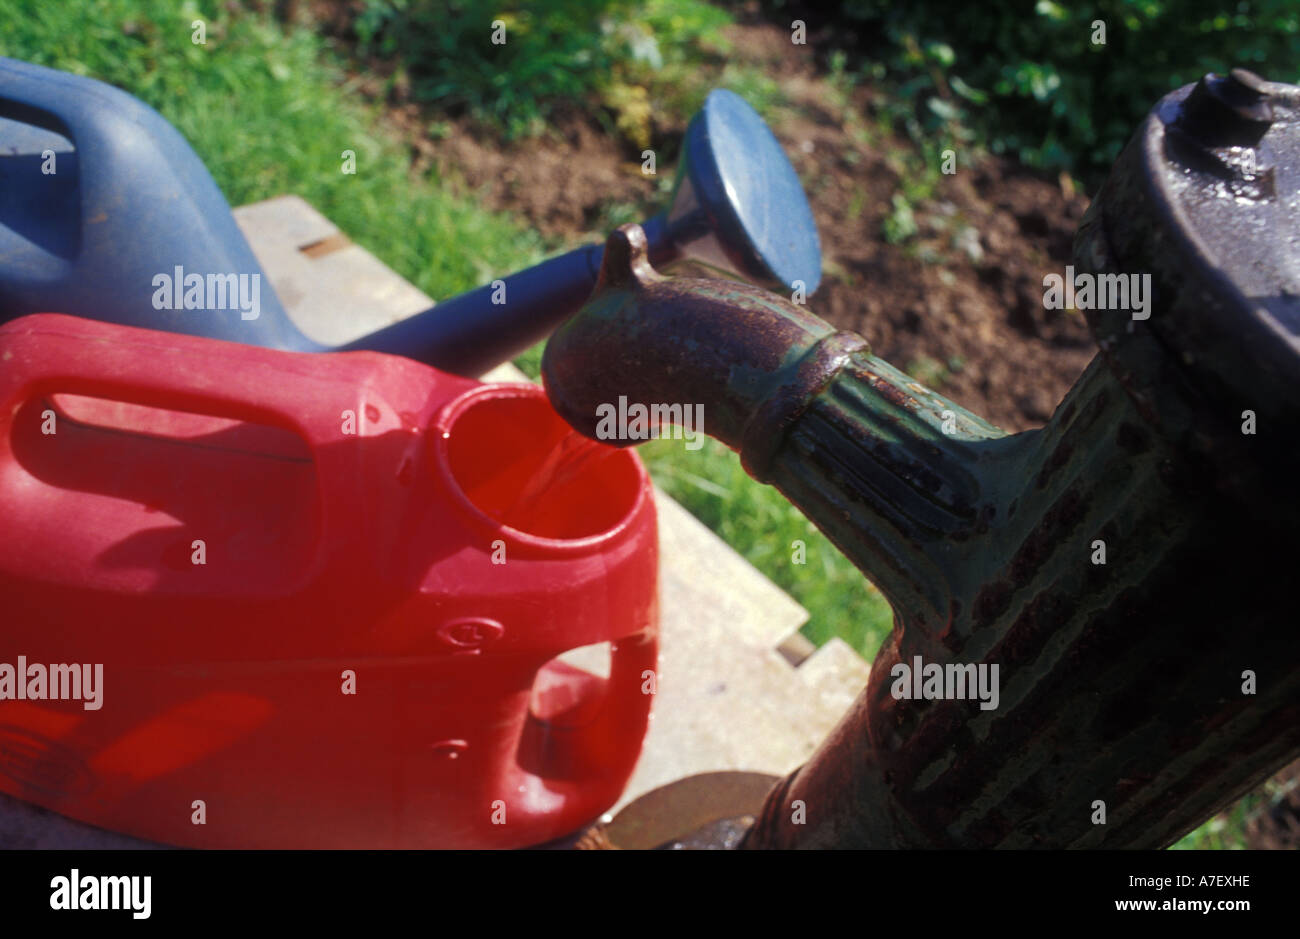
759, 523
1227, 830
267, 112
1224, 832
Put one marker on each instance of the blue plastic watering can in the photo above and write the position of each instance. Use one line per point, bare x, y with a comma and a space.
106, 212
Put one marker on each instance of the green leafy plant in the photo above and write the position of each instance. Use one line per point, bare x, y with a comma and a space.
1034, 80
515, 66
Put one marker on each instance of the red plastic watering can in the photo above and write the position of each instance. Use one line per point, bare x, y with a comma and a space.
265, 599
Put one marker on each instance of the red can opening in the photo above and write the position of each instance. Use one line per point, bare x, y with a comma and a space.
517, 462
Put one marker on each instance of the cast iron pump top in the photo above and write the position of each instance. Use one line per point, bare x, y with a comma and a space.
1158, 676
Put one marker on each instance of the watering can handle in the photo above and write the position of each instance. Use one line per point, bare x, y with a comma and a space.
90, 114
180, 373
82, 356
143, 203
579, 754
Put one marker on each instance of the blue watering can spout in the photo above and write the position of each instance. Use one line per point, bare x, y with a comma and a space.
106, 212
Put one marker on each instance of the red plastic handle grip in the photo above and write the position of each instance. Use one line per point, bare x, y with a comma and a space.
52, 353
163, 370
578, 755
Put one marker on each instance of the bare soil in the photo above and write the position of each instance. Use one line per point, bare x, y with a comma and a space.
964, 316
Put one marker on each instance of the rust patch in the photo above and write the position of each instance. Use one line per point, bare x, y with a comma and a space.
891, 392
318, 249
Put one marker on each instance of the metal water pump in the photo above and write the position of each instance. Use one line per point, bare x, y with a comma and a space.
1129, 567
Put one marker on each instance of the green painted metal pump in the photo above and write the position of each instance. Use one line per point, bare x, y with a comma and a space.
1129, 567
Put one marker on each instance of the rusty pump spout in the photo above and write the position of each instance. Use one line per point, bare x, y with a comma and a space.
1127, 568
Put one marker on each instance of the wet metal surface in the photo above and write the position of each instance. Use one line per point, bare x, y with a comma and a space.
708, 810
1161, 682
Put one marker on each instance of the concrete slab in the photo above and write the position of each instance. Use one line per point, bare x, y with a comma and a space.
727, 699
333, 289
